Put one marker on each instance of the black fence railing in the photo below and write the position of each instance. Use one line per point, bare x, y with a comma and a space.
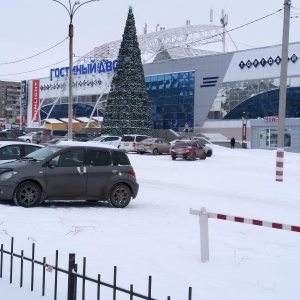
73, 276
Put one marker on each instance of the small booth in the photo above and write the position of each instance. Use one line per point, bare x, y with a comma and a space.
75, 124
264, 134
54, 124
87, 122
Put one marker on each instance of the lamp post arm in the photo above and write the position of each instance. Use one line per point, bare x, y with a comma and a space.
63, 6
73, 11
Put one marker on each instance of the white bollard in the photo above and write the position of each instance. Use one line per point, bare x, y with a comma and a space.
204, 244
203, 221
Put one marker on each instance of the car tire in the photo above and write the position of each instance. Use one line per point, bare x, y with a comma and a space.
209, 153
27, 141
194, 156
28, 194
120, 196
173, 157
203, 157
155, 151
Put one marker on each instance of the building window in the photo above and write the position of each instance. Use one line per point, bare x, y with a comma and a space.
268, 138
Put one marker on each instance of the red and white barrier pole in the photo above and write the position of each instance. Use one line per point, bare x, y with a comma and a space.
203, 219
279, 164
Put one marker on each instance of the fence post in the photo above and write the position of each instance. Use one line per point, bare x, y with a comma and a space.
204, 245
71, 278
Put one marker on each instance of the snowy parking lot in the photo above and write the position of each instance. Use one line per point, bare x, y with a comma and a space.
156, 235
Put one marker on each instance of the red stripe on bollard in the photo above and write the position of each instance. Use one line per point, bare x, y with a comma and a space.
280, 153
277, 225
223, 217
295, 228
239, 219
257, 222
279, 164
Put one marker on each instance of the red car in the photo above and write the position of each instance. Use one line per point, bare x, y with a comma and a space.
188, 150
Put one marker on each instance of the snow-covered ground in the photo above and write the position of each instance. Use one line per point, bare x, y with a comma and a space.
156, 235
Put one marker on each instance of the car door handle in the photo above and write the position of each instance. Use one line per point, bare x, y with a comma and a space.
81, 172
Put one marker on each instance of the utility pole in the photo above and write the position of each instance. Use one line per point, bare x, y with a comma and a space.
282, 91
71, 9
224, 22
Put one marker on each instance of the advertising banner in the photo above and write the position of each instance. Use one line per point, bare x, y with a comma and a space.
244, 132
35, 100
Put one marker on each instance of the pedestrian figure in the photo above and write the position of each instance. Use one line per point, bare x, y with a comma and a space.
232, 143
186, 127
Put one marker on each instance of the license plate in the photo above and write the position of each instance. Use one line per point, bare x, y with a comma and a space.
126, 144
179, 151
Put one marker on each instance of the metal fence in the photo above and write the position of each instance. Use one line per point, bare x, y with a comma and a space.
73, 276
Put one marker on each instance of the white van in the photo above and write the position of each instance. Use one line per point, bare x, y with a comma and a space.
130, 141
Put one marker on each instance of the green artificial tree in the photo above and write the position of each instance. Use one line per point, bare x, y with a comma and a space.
128, 109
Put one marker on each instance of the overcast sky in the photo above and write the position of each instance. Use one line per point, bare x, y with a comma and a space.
29, 27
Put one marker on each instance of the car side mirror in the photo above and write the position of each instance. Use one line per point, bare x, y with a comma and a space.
52, 163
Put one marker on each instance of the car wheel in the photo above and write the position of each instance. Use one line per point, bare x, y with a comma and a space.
155, 151
27, 141
173, 157
120, 196
209, 153
142, 153
203, 157
194, 156
28, 194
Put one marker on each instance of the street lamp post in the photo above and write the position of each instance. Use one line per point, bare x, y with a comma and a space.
71, 11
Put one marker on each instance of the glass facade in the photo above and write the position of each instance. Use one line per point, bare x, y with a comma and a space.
82, 107
258, 98
172, 99
61, 111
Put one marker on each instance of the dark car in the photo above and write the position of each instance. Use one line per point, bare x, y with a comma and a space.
15, 132
82, 137
188, 150
7, 136
70, 171
12, 150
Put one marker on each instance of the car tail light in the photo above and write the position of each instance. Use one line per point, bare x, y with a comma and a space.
147, 145
50, 137
132, 173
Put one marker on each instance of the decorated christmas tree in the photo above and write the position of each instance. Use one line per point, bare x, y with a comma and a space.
128, 109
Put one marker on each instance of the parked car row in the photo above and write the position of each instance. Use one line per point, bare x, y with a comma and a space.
93, 170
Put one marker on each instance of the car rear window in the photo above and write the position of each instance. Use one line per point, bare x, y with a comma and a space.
127, 138
141, 137
120, 158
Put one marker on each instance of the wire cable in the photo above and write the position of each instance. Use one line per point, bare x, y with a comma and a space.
35, 69
23, 59
241, 26
219, 34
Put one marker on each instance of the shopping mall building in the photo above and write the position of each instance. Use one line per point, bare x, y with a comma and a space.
212, 92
